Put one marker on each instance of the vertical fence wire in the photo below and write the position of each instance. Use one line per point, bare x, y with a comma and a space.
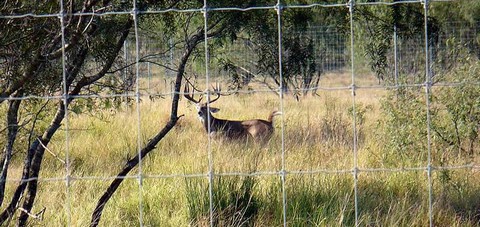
283, 171
211, 170
134, 14
65, 104
395, 54
351, 5
428, 84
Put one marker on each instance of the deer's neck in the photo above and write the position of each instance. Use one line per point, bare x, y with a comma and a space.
210, 119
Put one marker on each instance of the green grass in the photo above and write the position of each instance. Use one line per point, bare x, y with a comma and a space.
318, 133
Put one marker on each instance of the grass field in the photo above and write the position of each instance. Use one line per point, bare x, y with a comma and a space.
393, 189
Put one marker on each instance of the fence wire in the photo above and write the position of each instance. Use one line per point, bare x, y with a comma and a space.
283, 173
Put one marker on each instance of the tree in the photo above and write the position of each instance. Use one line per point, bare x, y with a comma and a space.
299, 69
32, 66
302, 53
378, 25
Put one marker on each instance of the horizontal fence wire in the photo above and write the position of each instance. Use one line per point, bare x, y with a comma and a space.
196, 10
243, 91
472, 167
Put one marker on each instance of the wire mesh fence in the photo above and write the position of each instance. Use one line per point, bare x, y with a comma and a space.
330, 82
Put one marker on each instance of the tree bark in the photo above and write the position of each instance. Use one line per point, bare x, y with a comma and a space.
12, 129
10, 209
36, 163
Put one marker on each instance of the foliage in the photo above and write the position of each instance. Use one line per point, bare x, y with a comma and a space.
32, 64
41, 58
404, 122
336, 127
323, 198
313, 201
458, 120
301, 50
376, 28
469, 15
454, 112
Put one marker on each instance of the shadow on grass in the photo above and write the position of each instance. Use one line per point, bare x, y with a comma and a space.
326, 200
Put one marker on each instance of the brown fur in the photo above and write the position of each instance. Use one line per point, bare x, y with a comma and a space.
258, 129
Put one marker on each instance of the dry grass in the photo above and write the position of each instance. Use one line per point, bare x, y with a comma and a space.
318, 134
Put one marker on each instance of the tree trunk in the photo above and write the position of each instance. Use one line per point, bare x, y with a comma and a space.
12, 127
97, 213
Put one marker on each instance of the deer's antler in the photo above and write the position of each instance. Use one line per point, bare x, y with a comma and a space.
189, 95
217, 90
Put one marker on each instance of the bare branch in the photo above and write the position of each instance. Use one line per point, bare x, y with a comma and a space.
53, 154
97, 213
38, 215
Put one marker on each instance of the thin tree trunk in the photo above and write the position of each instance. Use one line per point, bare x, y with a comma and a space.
12, 127
10, 209
97, 213
37, 163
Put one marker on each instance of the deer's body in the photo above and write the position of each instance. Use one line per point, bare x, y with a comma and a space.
230, 129
258, 129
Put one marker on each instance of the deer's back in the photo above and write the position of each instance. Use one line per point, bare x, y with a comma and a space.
258, 128
231, 129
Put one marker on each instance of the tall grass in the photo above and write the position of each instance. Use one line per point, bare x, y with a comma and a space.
318, 132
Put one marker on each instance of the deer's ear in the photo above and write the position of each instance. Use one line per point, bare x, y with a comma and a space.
214, 110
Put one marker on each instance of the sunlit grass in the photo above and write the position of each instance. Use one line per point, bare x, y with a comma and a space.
318, 143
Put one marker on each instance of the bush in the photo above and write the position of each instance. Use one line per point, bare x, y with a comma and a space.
454, 111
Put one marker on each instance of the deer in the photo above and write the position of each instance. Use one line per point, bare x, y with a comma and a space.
258, 129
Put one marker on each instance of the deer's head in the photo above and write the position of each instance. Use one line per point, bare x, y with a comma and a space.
204, 110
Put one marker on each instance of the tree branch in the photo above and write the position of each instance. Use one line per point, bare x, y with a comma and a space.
97, 213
